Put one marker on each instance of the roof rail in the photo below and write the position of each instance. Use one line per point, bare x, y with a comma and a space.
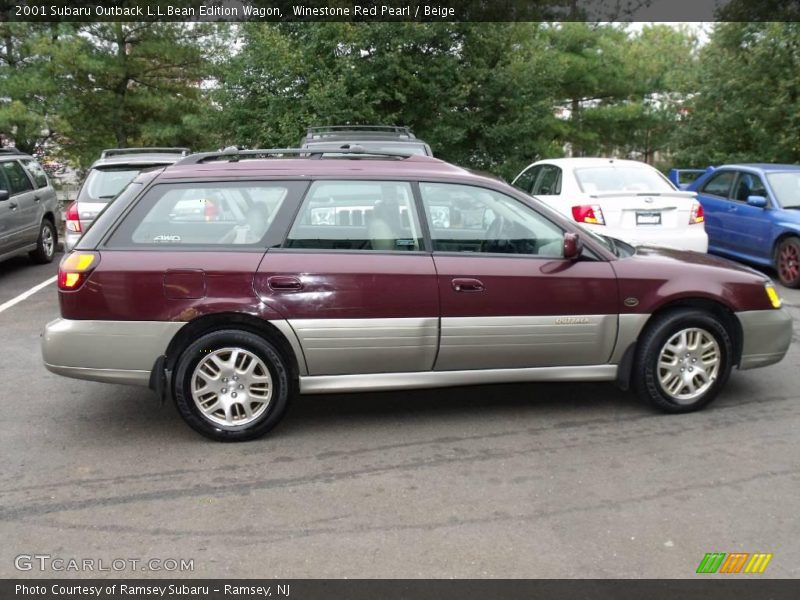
10, 150
321, 131
234, 155
120, 151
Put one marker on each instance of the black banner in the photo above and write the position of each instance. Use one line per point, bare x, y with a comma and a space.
399, 10
711, 588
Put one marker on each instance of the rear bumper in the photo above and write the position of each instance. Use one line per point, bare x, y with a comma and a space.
70, 239
693, 237
107, 351
766, 337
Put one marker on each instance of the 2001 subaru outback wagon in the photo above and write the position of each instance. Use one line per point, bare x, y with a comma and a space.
368, 271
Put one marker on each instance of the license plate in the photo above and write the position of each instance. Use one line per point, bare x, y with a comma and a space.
648, 218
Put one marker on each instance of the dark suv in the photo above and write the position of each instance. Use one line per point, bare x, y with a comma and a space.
354, 271
28, 208
384, 138
107, 177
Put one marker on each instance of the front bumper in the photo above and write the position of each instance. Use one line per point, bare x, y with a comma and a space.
766, 337
107, 351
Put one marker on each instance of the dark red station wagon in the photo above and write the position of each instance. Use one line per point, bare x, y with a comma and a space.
233, 281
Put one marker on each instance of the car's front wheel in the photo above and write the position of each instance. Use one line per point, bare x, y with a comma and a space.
787, 262
232, 385
682, 361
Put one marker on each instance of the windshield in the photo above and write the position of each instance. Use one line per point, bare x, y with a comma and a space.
402, 148
618, 178
786, 187
104, 184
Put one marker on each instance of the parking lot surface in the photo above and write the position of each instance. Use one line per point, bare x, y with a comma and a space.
546, 480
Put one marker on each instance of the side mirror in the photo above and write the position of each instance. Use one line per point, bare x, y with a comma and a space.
572, 246
4, 195
757, 201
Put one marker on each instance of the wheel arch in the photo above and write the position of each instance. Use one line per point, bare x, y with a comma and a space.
784, 235
245, 322
718, 309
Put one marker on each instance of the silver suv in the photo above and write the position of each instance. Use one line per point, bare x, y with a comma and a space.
108, 176
28, 208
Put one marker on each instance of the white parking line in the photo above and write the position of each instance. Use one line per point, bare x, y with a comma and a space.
28, 294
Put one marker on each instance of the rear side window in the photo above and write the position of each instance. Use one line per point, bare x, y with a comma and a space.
357, 215
37, 173
719, 184
549, 182
16, 177
204, 214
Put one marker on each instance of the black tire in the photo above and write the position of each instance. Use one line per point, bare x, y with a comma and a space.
646, 379
282, 385
45, 244
787, 262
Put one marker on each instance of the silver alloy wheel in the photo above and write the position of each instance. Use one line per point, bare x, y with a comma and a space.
48, 243
688, 364
231, 387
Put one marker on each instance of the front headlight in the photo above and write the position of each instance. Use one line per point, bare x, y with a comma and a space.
772, 294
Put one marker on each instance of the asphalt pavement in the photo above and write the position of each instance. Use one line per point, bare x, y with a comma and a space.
546, 480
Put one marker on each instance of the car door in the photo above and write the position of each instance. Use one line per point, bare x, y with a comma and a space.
20, 214
43, 196
747, 228
354, 281
508, 297
6, 217
714, 195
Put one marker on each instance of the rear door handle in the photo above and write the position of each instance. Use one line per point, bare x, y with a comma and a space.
13, 205
283, 283
37, 198
467, 285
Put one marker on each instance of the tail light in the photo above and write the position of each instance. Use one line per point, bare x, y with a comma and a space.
210, 211
73, 220
75, 268
588, 213
697, 215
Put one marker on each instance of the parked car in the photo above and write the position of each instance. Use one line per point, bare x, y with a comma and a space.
623, 199
385, 138
753, 215
107, 177
447, 278
28, 208
683, 178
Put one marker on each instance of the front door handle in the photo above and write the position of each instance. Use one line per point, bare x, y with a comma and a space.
13, 205
732, 209
281, 283
467, 285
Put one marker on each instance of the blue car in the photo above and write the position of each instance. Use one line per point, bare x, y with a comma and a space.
752, 214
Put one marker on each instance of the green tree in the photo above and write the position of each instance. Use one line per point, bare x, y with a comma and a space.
28, 94
127, 84
747, 101
478, 93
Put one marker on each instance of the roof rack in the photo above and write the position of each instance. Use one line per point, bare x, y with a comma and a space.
234, 155
10, 150
120, 151
331, 130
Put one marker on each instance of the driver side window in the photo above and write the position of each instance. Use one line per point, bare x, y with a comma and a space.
466, 218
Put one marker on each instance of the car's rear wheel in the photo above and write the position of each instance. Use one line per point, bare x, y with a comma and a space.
232, 385
45, 244
682, 361
787, 262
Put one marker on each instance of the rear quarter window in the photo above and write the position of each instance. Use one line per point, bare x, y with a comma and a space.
210, 215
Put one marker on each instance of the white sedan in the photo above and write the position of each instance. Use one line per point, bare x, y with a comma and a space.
623, 199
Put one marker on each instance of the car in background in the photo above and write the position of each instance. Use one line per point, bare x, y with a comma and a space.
683, 178
351, 271
384, 138
621, 199
107, 177
753, 215
28, 208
